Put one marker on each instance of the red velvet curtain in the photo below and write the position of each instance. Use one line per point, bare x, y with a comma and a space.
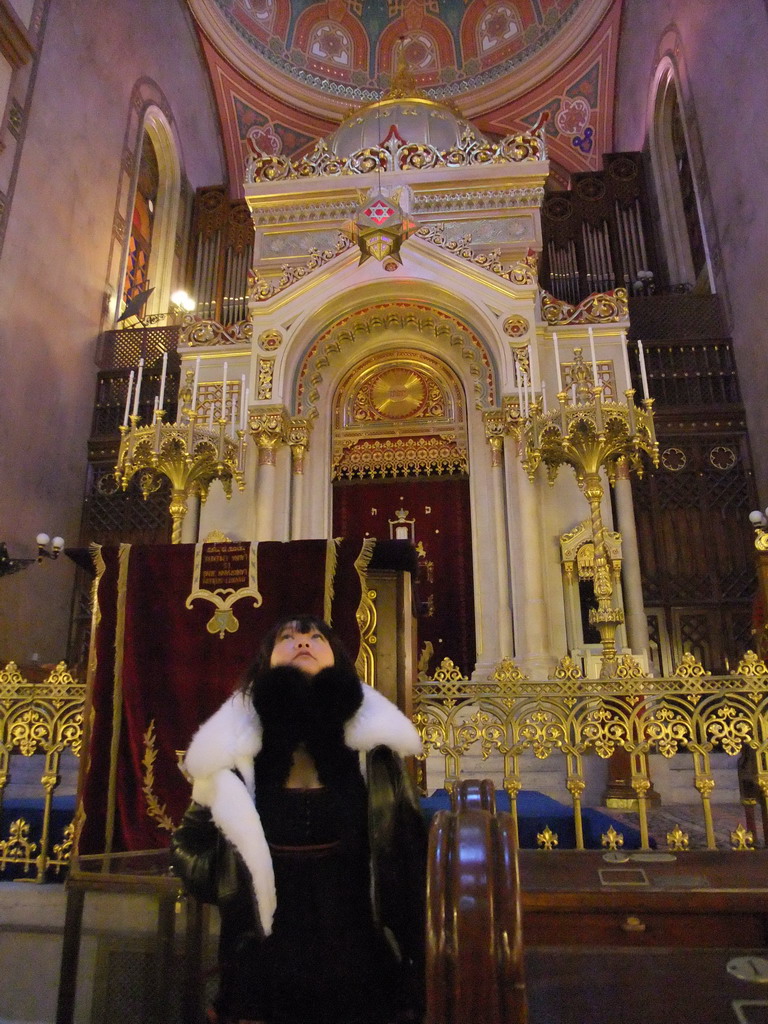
159, 672
443, 538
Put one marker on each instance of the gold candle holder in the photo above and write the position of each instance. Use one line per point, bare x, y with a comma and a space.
190, 454
589, 434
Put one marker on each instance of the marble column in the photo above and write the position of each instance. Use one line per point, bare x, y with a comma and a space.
298, 439
191, 525
535, 657
269, 427
494, 432
634, 605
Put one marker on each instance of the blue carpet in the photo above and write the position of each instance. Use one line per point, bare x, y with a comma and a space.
535, 811
31, 809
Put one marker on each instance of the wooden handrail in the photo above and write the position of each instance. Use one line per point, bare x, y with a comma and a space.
474, 793
474, 965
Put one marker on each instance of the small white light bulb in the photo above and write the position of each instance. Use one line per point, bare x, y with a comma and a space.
42, 539
57, 543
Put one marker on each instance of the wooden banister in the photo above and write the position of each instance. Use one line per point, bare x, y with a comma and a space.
469, 793
474, 919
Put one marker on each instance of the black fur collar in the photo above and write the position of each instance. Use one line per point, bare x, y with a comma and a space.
296, 708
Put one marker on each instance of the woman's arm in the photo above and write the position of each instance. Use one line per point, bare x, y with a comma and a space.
399, 851
202, 858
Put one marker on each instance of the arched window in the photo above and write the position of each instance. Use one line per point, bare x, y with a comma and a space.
151, 241
687, 191
142, 222
681, 225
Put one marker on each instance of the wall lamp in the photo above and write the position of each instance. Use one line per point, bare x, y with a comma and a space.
46, 548
182, 303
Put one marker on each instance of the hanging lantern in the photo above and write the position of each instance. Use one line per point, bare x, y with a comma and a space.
379, 228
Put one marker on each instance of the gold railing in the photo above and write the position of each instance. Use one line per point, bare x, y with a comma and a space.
503, 719
38, 718
508, 716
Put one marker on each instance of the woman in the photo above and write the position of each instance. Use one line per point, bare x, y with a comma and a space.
319, 873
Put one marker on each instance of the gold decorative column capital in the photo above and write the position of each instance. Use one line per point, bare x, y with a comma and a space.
269, 426
298, 438
495, 430
513, 421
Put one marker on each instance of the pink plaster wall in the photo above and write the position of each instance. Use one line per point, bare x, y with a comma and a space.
53, 271
723, 61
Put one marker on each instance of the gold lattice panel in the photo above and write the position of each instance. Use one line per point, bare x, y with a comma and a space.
401, 456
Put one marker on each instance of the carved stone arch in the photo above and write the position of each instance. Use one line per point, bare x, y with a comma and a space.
408, 323
400, 471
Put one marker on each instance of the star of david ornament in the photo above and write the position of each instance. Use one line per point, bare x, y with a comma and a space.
379, 228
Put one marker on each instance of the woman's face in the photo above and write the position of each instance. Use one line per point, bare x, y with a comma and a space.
310, 652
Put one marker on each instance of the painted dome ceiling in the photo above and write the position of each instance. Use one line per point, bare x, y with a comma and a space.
349, 48
288, 71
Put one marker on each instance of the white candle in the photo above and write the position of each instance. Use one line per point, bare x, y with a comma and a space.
232, 417
224, 394
530, 375
246, 403
573, 393
519, 387
128, 400
592, 353
242, 402
557, 363
210, 417
161, 399
625, 353
138, 388
544, 397
643, 374
525, 393
194, 383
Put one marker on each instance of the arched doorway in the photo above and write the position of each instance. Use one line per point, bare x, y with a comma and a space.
400, 471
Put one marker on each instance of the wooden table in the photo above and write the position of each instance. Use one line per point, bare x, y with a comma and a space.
700, 898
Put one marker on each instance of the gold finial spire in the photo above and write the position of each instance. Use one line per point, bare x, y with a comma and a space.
403, 84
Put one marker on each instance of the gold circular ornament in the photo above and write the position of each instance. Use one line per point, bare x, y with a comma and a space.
516, 326
270, 340
398, 393
722, 457
674, 459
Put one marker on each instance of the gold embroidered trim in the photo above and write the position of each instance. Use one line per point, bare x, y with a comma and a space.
366, 615
88, 711
155, 809
117, 693
331, 560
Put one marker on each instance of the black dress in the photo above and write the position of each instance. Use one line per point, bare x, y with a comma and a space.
325, 962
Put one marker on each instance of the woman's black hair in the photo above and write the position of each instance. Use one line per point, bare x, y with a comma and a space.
302, 624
